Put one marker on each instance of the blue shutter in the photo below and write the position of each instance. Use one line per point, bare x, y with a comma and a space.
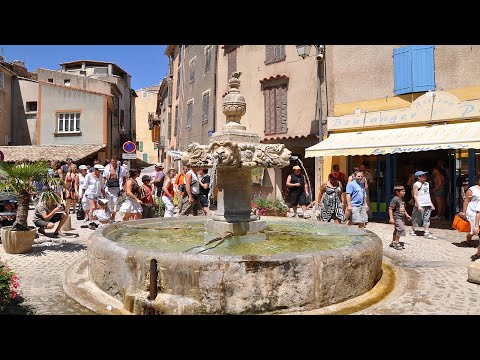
423, 70
402, 68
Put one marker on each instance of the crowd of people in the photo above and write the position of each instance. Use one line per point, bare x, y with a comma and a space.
98, 192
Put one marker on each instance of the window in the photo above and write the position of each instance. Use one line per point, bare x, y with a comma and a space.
179, 54
208, 57
205, 101
2, 81
83, 72
145, 158
274, 53
68, 122
275, 109
50, 80
192, 71
169, 93
178, 82
170, 65
232, 62
140, 145
189, 114
176, 121
31, 106
122, 119
66, 82
169, 125
414, 69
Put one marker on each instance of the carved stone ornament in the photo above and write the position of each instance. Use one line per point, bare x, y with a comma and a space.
226, 152
272, 155
197, 156
247, 152
234, 105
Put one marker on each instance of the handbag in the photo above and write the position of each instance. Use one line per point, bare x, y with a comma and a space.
461, 224
80, 212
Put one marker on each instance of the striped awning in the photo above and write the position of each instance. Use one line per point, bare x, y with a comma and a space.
393, 141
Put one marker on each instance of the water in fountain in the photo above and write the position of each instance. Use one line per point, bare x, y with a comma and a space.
213, 179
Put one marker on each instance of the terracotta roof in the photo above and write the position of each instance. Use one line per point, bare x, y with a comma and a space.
74, 88
7, 69
287, 137
274, 78
49, 152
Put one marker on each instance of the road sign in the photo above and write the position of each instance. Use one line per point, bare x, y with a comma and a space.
129, 156
129, 147
2, 156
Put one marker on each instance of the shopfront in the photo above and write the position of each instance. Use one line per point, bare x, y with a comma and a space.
437, 131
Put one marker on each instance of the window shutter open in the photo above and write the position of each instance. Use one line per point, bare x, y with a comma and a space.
402, 64
423, 71
205, 107
269, 54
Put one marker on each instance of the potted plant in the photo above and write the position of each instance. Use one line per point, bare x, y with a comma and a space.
267, 207
20, 178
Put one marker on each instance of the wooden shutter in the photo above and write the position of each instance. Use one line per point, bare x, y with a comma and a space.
208, 56
232, 62
282, 106
423, 69
189, 114
269, 97
169, 126
176, 121
206, 98
178, 82
402, 66
279, 53
192, 72
269, 54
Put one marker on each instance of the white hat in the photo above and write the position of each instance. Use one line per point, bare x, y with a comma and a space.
83, 167
99, 167
103, 201
159, 165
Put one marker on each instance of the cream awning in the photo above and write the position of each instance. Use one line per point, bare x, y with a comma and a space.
394, 141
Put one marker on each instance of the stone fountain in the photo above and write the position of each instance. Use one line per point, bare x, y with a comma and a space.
233, 263
234, 152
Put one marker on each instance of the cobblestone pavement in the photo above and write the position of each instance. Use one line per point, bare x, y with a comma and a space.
433, 273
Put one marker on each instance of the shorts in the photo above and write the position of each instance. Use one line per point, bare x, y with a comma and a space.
44, 223
203, 200
112, 196
130, 206
421, 218
399, 228
298, 198
359, 215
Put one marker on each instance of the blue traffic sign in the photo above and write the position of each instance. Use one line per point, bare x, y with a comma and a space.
129, 147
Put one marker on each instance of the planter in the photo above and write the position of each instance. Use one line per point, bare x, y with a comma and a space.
272, 212
17, 242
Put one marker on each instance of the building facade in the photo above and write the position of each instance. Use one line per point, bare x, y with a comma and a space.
280, 90
395, 109
199, 94
164, 116
6, 76
147, 118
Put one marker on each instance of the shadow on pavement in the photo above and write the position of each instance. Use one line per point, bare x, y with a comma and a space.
16, 307
55, 245
473, 243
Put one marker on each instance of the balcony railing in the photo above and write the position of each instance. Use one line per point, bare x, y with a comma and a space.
161, 142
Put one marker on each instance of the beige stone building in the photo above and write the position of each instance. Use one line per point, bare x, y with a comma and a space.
6, 76
147, 117
280, 90
396, 108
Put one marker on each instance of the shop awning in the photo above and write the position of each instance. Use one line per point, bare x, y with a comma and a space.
394, 141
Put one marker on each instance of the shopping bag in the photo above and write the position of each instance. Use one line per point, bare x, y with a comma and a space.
460, 224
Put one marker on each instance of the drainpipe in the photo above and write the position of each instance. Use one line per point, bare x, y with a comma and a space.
319, 160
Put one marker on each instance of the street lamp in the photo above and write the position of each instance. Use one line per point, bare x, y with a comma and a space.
304, 51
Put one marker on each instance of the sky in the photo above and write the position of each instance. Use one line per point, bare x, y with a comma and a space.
146, 64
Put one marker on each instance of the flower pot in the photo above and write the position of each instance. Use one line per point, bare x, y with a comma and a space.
17, 242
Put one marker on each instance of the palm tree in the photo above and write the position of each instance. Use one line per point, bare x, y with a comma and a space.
19, 178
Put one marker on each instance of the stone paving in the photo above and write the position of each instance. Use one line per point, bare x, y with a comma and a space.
432, 273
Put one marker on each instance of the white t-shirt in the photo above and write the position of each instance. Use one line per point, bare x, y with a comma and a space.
92, 185
195, 186
102, 215
423, 193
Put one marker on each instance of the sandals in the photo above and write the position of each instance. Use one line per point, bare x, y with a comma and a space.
429, 236
396, 246
412, 233
475, 257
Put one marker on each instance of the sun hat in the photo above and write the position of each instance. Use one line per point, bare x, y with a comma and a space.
159, 165
419, 173
99, 167
296, 167
82, 167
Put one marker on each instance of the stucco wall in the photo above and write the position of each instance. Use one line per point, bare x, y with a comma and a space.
6, 107
76, 81
145, 102
57, 99
24, 131
301, 95
204, 81
365, 72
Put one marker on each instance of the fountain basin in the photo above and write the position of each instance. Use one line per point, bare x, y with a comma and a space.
274, 279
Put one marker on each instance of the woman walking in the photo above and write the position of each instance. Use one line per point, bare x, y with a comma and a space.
71, 189
132, 206
472, 199
168, 193
330, 198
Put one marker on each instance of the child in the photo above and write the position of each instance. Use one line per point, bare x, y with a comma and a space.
398, 213
102, 214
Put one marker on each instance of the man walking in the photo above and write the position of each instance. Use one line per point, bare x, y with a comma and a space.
357, 200
423, 205
158, 177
